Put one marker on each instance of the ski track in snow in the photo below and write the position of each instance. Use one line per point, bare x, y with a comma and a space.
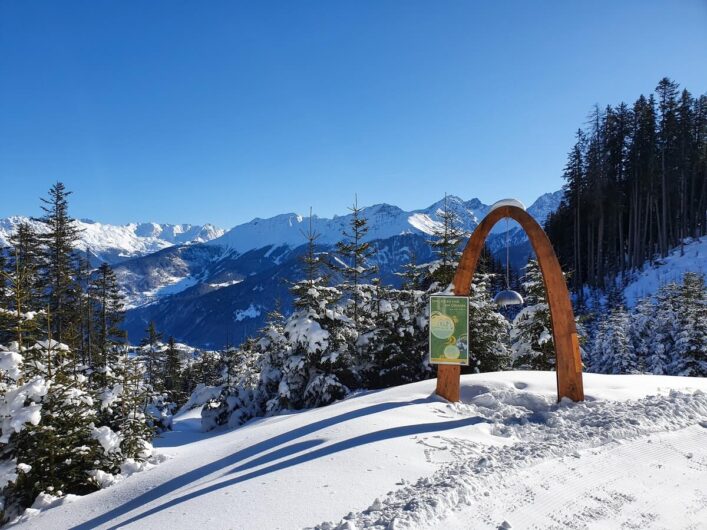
488, 482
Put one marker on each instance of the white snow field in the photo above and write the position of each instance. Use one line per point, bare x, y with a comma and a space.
690, 257
633, 455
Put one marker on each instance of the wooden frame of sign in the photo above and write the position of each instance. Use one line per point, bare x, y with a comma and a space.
564, 330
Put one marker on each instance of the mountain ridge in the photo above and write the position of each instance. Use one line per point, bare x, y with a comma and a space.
200, 283
384, 221
116, 243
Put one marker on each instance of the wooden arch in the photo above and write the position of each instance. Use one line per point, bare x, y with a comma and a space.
564, 331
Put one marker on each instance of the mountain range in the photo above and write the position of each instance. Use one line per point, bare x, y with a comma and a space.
206, 286
116, 243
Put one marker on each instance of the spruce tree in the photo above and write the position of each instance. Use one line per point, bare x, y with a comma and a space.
396, 344
136, 428
320, 367
642, 333
172, 372
355, 253
152, 351
108, 315
532, 344
275, 351
305, 291
612, 350
665, 328
411, 274
690, 356
62, 449
488, 330
446, 244
87, 343
58, 242
22, 281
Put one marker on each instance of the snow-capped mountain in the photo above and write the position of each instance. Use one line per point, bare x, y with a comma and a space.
283, 233
115, 243
229, 284
384, 221
198, 282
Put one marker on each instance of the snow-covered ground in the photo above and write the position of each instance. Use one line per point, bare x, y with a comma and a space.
633, 455
691, 257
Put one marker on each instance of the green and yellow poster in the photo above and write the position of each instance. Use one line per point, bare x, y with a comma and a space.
449, 328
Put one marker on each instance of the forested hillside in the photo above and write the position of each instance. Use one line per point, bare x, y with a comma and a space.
636, 185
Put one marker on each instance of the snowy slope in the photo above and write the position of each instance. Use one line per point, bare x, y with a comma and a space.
633, 455
114, 243
692, 257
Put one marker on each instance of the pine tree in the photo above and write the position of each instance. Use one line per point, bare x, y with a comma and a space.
690, 356
665, 327
60, 451
635, 186
172, 372
23, 288
532, 343
642, 332
108, 315
244, 391
355, 254
20, 406
446, 243
7, 318
304, 292
411, 274
58, 243
612, 351
488, 330
275, 351
87, 343
396, 345
319, 368
152, 351
136, 428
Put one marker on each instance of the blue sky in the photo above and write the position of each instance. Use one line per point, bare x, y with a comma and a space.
223, 111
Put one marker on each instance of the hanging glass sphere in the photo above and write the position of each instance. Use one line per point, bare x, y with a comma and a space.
508, 297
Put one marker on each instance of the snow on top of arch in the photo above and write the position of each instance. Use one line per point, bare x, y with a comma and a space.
507, 202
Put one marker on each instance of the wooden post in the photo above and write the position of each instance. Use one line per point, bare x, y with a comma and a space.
564, 331
448, 381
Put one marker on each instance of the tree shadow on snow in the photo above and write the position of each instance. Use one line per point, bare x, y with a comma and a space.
385, 434
267, 445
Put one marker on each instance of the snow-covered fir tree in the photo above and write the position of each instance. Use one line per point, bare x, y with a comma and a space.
612, 351
395, 346
62, 452
488, 329
58, 265
446, 241
664, 326
238, 399
152, 352
532, 344
276, 350
21, 286
108, 314
355, 254
320, 367
690, 354
83, 414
